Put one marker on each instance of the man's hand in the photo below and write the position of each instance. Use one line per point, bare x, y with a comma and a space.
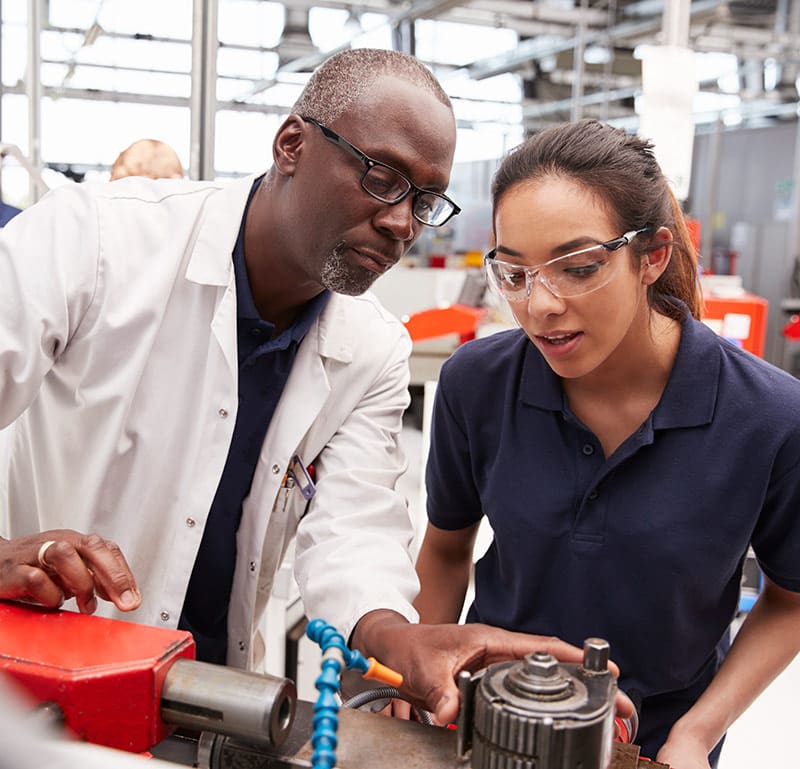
49, 567
430, 656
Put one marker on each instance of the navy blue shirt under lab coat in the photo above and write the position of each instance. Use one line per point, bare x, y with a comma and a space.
264, 366
643, 548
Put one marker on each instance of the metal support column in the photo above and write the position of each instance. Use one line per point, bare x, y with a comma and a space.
404, 36
2, 89
675, 22
712, 195
579, 65
794, 221
33, 90
204, 88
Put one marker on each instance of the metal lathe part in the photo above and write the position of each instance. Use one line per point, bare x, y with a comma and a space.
538, 713
365, 741
258, 708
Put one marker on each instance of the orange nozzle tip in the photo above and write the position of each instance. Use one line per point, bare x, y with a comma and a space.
381, 673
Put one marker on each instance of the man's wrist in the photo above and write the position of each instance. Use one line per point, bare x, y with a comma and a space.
368, 634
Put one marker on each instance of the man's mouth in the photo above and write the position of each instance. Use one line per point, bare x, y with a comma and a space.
376, 262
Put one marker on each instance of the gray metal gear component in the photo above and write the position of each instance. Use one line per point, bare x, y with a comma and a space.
538, 713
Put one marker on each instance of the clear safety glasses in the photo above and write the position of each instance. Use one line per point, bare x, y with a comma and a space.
574, 274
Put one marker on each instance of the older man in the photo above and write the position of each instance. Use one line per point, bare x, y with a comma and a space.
200, 376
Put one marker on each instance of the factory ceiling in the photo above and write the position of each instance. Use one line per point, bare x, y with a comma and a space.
582, 57
568, 58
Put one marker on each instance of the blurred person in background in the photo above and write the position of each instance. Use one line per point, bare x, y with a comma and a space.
151, 158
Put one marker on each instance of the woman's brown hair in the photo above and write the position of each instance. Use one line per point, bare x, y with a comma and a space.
622, 171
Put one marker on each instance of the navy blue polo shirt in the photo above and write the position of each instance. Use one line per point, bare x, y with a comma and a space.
264, 366
644, 548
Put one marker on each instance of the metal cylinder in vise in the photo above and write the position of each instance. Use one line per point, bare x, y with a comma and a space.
538, 713
257, 708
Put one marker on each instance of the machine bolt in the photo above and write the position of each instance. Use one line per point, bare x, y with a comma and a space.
596, 652
541, 664
538, 676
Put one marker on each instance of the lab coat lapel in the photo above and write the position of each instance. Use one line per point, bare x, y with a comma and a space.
308, 387
211, 261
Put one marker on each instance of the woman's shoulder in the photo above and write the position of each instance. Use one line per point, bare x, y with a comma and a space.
489, 352
486, 370
747, 373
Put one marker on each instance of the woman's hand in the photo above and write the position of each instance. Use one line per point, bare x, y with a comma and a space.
684, 753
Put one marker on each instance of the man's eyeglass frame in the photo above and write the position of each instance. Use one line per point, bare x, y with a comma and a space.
370, 163
532, 273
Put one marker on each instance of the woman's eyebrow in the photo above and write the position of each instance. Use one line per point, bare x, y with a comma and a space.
582, 241
500, 249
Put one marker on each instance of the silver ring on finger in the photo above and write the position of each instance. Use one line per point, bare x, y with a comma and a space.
43, 552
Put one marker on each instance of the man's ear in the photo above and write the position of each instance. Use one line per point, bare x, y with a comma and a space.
656, 260
287, 145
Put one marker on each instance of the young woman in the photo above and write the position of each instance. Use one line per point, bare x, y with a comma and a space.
624, 455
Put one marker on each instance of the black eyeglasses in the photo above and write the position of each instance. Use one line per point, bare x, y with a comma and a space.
388, 185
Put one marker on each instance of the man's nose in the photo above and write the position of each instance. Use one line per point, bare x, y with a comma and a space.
398, 220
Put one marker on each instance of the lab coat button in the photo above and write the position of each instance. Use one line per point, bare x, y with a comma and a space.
252, 565
276, 469
242, 646
164, 616
190, 522
588, 449
223, 413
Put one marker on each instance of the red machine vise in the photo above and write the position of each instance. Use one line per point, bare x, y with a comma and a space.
127, 686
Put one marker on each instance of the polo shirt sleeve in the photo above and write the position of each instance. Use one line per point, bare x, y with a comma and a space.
453, 498
776, 537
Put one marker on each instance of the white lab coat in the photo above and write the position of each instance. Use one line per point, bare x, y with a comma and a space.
118, 348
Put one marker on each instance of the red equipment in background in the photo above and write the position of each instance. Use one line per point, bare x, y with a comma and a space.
742, 319
440, 321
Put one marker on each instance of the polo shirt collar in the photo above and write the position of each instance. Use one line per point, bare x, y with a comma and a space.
688, 399
540, 387
690, 396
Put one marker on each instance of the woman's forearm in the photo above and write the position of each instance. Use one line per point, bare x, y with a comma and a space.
766, 643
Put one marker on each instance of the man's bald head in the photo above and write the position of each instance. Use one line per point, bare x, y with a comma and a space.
148, 157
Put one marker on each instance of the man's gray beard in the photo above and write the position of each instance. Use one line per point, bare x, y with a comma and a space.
343, 278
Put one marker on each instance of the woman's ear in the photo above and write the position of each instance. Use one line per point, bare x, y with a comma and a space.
656, 260
287, 145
